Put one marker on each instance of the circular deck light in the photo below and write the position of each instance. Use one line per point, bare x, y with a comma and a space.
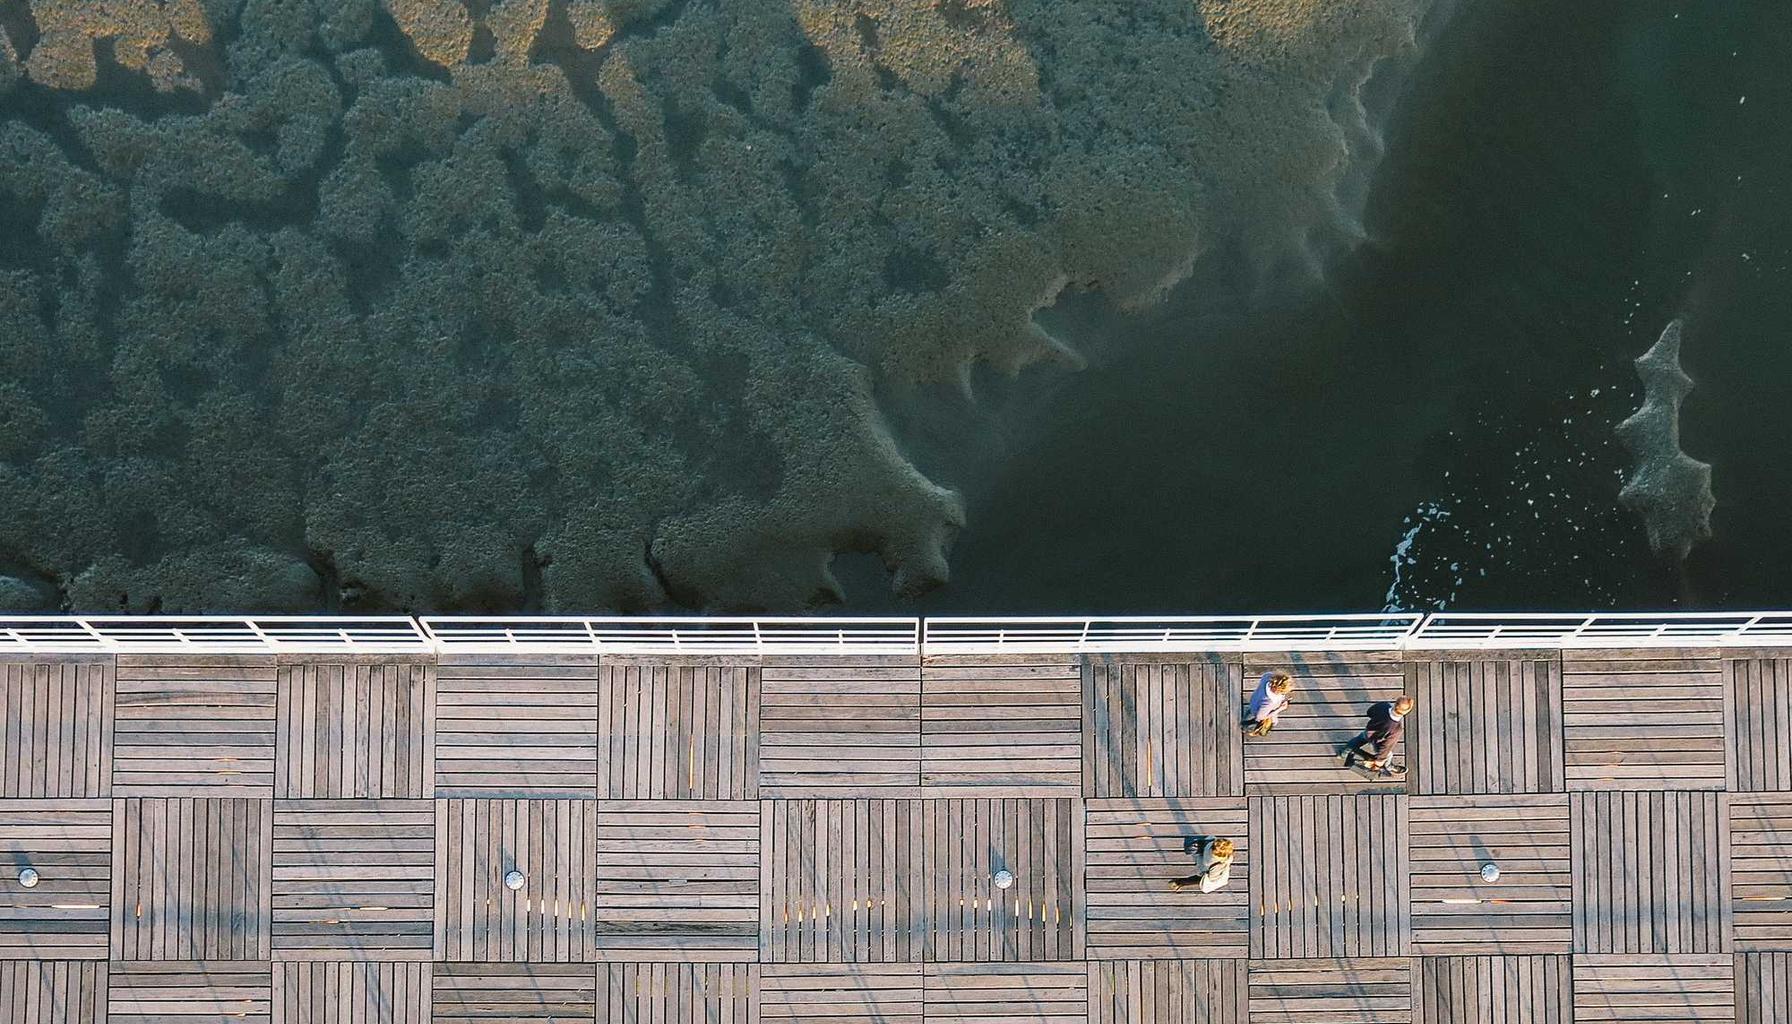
1490, 872
28, 878
514, 881
1004, 878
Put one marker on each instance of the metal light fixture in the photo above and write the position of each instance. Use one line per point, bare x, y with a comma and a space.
1004, 878
1490, 872
514, 880
28, 878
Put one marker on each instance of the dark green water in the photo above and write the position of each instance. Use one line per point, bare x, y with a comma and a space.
1560, 182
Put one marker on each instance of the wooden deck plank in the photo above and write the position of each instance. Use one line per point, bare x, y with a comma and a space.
516, 726
1330, 878
189, 993
353, 880
520, 993
989, 993
548, 920
1648, 877
1526, 989
69, 844
53, 992
1001, 726
1759, 751
193, 881
677, 881
1134, 849
840, 727
56, 728
194, 726
1760, 890
1486, 726
636, 993
1336, 991
351, 992
1168, 991
840, 994
679, 730
1162, 727
804, 918
1763, 987
353, 728
1657, 989
1529, 909
1634, 720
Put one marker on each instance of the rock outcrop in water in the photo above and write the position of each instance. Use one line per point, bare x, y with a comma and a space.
583, 303
1669, 489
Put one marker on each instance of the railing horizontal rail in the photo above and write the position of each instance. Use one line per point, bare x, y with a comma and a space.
891, 635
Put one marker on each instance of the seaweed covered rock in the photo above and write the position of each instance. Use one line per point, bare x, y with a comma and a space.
584, 303
1669, 489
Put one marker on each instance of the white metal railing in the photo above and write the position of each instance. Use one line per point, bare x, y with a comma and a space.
682, 634
1444, 630
217, 634
696, 634
972, 635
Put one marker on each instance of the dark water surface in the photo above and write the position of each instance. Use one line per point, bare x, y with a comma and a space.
1561, 181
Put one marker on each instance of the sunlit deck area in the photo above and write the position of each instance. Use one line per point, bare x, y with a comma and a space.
518, 830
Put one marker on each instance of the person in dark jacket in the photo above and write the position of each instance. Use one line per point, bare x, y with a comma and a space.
1375, 745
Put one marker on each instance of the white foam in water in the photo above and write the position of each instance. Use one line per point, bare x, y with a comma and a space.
1428, 512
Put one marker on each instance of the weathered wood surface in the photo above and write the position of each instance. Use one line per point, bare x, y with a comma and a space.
325, 841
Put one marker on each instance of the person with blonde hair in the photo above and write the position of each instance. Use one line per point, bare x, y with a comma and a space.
1273, 693
1213, 861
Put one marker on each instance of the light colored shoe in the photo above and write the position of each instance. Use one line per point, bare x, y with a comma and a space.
1176, 887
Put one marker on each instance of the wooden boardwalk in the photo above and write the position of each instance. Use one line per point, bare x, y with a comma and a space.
810, 840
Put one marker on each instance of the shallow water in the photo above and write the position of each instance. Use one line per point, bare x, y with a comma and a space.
1433, 426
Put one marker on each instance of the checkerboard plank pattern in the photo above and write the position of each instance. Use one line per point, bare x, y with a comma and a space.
682, 731
1055, 993
1001, 726
514, 994
516, 725
1654, 989
1761, 870
1332, 697
1355, 991
840, 994
840, 727
1134, 849
52, 992
189, 993
56, 728
358, 728
678, 880
351, 992
191, 879
191, 726
1643, 720
670, 992
478, 918
1529, 909
1494, 990
1167, 992
69, 844
842, 881
1486, 726
1760, 736
1649, 873
1331, 876
353, 879
1162, 728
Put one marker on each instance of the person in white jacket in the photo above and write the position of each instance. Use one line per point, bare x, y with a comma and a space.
1273, 693
1213, 861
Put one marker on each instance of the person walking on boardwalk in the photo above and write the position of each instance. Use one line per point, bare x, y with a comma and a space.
1272, 695
1213, 863
1375, 745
